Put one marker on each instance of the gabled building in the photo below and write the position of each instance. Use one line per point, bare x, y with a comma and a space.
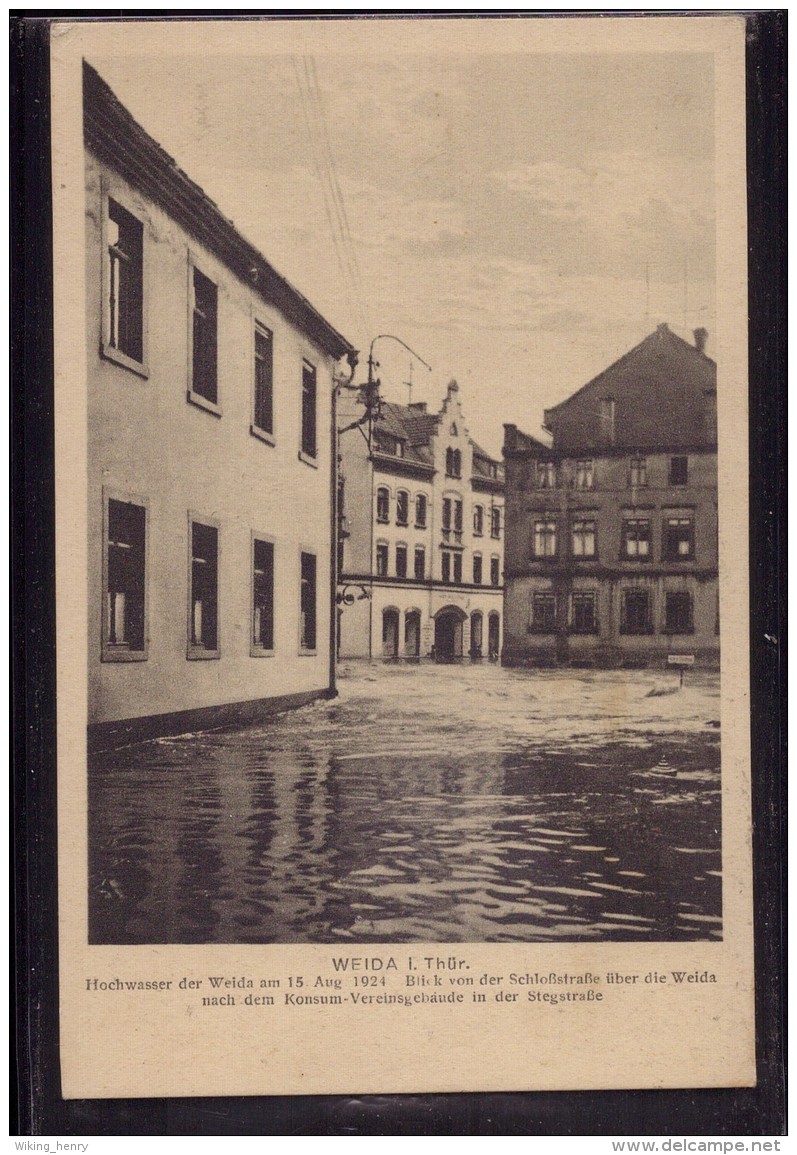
210, 466
421, 546
611, 542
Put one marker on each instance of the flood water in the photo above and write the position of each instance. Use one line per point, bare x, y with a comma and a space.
427, 803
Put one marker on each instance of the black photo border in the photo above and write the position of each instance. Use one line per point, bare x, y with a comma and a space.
37, 1106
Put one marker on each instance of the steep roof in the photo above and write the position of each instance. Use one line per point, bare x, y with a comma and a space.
416, 429
663, 392
120, 142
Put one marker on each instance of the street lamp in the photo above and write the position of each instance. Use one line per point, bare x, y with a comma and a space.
372, 400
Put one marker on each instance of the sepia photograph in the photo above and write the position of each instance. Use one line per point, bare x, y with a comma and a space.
401, 456
412, 633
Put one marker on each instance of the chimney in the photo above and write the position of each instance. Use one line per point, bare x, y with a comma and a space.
417, 406
701, 339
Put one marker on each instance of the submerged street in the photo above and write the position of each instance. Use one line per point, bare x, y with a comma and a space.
425, 804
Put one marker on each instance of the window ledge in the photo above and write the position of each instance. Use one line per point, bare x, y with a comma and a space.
260, 652
110, 353
593, 630
262, 435
541, 630
203, 403
198, 654
307, 653
308, 460
677, 633
119, 654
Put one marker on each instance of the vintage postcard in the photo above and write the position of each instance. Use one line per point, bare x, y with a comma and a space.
401, 455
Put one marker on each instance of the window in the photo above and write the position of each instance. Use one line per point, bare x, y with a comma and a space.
679, 470
544, 544
412, 633
203, 625
478, 520
264, 381
543, 613
387, 443
420, 563
457, 567
420, 511
309, 448
445, 562
124, 631
583, 476
204, 369
382, 504
381, 559
582, 615
476, 634
678, 613
583, 538
495, 521
636, 538
638, 472
546, 475
458, 517
477, 569
262, 596
608, 412
402, 507
446, 513
495, 571
453, 463
401, 561
678, 539
635, 616
123, 323
307, 623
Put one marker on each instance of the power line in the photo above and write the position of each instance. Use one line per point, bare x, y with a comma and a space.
334, 208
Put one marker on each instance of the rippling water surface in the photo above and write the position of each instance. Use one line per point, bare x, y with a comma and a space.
433, 804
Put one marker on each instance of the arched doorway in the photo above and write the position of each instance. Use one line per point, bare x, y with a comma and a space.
476, 630
412, 633
494, 636
390, 632
448, 634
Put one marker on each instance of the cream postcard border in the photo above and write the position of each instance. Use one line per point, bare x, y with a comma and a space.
696, 1035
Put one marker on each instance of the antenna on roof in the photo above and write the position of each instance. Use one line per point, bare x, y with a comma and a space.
409, 386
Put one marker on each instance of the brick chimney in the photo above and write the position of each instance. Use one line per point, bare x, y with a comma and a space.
701, 339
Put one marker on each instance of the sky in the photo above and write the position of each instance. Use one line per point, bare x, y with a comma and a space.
519, 220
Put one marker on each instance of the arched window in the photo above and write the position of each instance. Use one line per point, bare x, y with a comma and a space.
495, 570
412, 633
383, 504
390, 632
494, 636
478, 520
402, 507
381, 559
420, 511
477, 569
495, 521
476, 632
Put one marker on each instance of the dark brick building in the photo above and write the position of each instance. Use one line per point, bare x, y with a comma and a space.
611, 531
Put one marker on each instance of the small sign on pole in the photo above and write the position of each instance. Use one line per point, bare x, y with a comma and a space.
681, 662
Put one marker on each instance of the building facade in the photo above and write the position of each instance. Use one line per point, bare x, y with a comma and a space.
611, 550
210, 469
421, 544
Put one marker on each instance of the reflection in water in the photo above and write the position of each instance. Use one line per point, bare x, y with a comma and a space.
382, 817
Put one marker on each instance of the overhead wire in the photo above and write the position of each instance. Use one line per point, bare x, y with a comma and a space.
334, 206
